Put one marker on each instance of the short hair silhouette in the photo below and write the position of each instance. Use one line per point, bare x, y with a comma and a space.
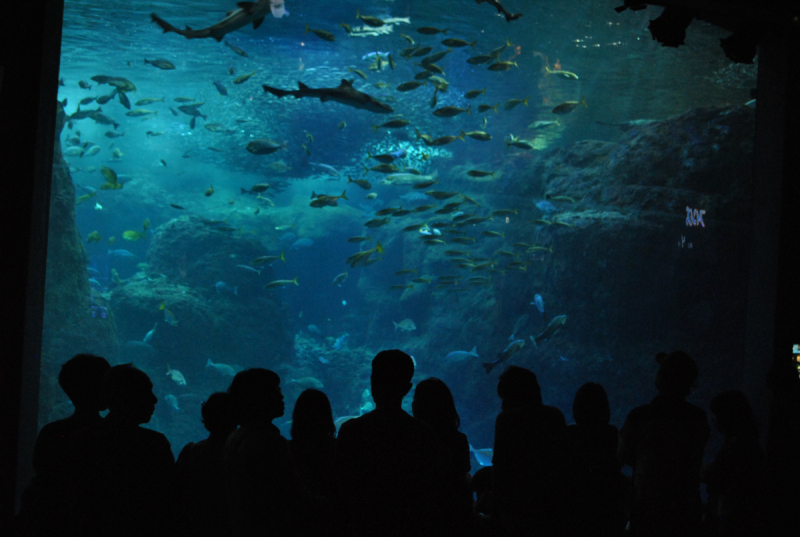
733, 414
393, 367
590, 406
433, 403
81, 378
518, 386
216, 412
677, 374
250, 390
123, 384
312, 416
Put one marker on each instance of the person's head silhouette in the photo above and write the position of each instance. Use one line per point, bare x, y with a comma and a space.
312, 417
433, 403
256, 396
391, 378
590, 406
128, 393
81, 378
677, 374
217, 416
518, 387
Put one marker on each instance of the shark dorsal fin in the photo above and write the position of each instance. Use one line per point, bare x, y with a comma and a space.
347, 83
257, 23
247, 7
302, 86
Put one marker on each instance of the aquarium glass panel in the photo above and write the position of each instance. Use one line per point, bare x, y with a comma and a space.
298, 185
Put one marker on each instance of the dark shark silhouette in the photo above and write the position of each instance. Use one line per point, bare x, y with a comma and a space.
248, 12
500, 9
344, 94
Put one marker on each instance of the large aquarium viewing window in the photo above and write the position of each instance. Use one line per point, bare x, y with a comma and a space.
328, 180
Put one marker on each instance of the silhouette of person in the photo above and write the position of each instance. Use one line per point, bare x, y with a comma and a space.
387, 461
592, 468
734, 477
124, 474
433, 404
313, 443
663, 442
199, 474
527, 460
43, 507
259, 473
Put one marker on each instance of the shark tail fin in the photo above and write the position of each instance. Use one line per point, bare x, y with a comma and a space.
209, 363
474, 350
278, 92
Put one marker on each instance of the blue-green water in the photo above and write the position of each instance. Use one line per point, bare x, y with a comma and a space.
597, 269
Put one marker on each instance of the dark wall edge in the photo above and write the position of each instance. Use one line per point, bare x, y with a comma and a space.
30, 41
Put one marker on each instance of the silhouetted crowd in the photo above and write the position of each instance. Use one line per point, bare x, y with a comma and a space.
388, 473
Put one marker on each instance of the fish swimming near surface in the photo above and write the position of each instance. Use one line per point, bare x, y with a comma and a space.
551, 329
264, 146
164, 65
176, 376
345, 94
406, 325
223, 287
507, 353
459, 356
483, 456
247, 13
538, 301
339, 279
314, 330
222, 369
249, 268
546, 206
308, 382
220, 88
302, 243
120, 253
172, 401
326, 167
149, 336
501, 10
337, 345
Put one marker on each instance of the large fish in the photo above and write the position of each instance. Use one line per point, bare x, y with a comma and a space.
550, 330
247, 13
509, 351
344, 94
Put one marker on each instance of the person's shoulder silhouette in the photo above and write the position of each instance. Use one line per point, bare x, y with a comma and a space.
199, 474
124, 473
313, 443
433, 403
528, 453
43, 507
595, 485
259, 473
387, 461
81, 378
663, 441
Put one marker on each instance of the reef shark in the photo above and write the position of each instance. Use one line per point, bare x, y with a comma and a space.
247, 13
345, 94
